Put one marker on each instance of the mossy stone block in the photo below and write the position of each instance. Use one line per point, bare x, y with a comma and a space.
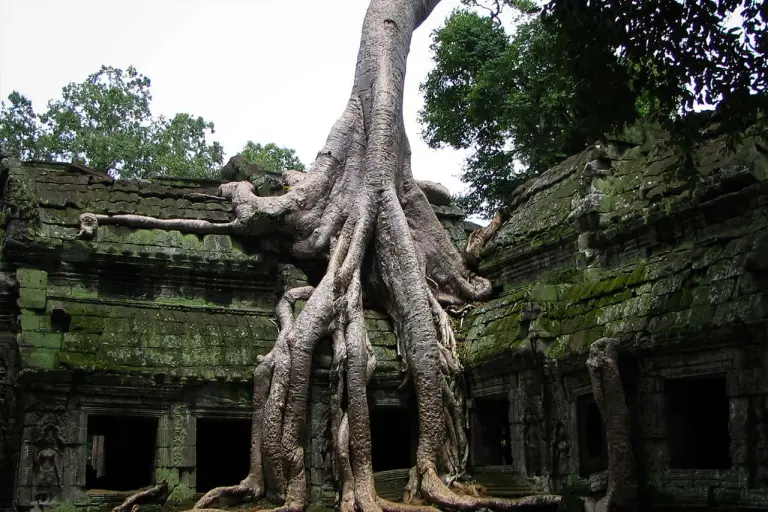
170, 475
30, 278
32, 298
32, 321
179, 495
42, 340
41, 358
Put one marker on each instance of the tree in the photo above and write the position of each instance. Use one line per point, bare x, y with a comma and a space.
18, 127
105, 122
684, 53
565, 73
271, 157
509, 99
359, 210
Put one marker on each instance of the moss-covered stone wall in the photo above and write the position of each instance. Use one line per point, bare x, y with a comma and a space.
138, 321
624, 241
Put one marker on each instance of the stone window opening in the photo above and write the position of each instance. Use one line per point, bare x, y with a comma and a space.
60, 320
697, 423
392, 438
120, 452
593, 447
222, 452
491, 444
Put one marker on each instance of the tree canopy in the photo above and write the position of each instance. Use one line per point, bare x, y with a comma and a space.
271, 157
105, 122
524, 84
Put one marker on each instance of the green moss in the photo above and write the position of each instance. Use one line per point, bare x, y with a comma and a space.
32, 298
30, 278
41, 340
32, 321
64, 507
181, 494
40, 358
170, 475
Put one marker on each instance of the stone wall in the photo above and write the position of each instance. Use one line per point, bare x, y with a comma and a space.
139, 322
618, 241
671, 261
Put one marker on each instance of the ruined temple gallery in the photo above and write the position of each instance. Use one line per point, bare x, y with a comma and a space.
344, 338
127, 358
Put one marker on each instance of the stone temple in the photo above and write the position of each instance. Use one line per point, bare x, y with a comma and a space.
127, 358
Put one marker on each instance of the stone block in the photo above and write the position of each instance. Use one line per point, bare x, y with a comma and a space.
188, 478
170, 475
164, 456
41, 340
30, 278
739, 413
180, 494
32, 298
33, 321
24, 495
40, 358
739, 452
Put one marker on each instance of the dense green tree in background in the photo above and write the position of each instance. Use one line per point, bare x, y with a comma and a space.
271, 157
523, 84
105, 122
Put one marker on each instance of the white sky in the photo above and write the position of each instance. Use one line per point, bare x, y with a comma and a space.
265, 70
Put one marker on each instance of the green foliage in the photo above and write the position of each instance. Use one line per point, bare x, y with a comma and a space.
271, 157
528, 86
105, 123
507, 98
684, 53
18, 127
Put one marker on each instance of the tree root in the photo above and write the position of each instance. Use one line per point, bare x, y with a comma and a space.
603, 366
360, 210
242, 492
434, 490
153, 494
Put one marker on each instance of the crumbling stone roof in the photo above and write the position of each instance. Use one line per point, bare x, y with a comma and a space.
625, 243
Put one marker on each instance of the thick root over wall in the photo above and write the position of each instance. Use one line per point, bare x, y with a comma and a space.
359, 209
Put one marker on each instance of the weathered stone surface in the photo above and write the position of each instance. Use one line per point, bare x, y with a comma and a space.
610, 244
624, 246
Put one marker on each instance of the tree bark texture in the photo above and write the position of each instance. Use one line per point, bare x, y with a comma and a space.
360, 209
603, 366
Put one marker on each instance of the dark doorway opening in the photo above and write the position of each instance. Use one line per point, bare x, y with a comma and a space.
121, 452
223, 449
593, 448
491, 445
697, 423
392, 431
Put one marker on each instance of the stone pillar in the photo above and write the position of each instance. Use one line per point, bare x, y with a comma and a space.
516, 428
651, 427
175, 460
10, 418
52, 460
318, 446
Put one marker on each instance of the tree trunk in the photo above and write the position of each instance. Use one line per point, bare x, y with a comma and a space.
360, 209
603, 365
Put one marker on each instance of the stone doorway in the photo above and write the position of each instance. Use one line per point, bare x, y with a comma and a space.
121, 452
392, 438
491, 441
593, 448
697, 423
223, 449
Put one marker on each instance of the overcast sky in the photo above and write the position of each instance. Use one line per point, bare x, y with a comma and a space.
266, 70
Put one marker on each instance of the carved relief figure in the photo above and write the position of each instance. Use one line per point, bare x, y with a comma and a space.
3, 370
761, 424
561, 450
47, 459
